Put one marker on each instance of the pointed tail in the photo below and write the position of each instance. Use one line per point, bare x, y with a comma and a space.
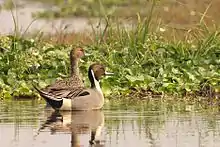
55, 101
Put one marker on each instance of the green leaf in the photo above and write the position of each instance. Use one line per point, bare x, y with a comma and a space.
135, 78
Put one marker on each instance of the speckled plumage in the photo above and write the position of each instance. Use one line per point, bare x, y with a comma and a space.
74, 82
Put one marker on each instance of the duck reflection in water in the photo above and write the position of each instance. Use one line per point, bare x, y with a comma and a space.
76, 123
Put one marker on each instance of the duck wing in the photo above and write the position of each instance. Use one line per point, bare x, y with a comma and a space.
67, 83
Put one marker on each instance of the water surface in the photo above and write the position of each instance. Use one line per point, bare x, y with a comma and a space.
29, 124
176, 14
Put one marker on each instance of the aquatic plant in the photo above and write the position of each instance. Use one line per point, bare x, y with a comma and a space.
144, 59
23, 61
144, 63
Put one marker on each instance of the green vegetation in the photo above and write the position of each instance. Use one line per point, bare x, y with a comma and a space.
144, 62
23, 61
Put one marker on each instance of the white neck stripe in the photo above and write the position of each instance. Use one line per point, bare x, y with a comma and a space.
96, 82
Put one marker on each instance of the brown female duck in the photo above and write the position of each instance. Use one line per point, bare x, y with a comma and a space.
60, 86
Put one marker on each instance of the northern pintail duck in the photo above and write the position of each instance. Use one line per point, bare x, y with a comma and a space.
76, 123
60, 86
80, 98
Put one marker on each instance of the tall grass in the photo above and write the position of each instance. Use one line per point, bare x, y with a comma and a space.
144, 62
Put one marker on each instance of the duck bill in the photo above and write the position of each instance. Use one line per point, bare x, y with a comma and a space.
109, 73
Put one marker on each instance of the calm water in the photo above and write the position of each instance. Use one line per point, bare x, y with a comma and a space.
23, 17
28, 123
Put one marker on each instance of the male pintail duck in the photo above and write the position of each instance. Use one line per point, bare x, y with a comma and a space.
80, 98
75, 123
60, 86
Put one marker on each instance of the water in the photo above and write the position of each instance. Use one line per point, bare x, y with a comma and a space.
180, 15
29, 124
26, 23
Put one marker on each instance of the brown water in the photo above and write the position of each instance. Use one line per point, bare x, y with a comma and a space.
28, 123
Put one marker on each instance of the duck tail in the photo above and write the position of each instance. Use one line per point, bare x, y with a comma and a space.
55, 101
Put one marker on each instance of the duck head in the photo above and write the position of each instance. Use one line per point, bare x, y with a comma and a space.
96, 72
77, 52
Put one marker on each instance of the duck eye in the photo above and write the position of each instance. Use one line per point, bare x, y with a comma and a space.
80, 49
